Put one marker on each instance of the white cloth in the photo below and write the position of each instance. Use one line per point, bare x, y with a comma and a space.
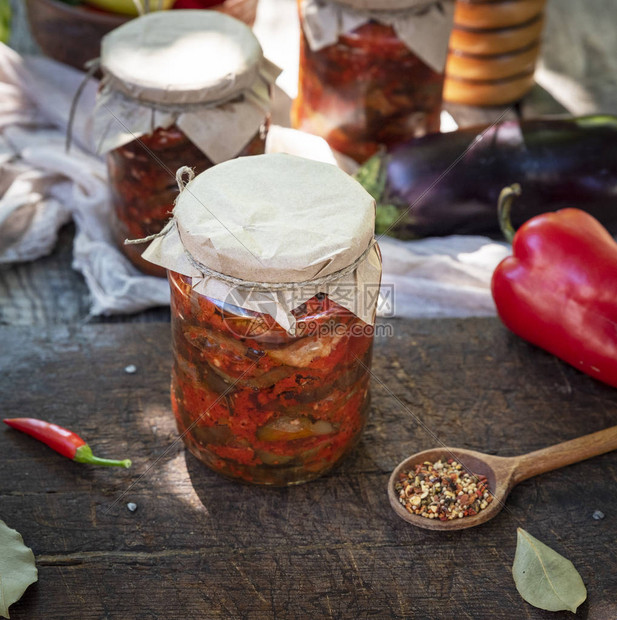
439, 276
578, 62
43, 186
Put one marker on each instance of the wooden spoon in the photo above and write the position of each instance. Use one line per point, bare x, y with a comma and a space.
502, 473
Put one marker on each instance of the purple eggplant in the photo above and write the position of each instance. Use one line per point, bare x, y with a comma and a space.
444, 184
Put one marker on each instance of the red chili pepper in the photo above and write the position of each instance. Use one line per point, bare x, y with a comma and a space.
557, 290
63, 441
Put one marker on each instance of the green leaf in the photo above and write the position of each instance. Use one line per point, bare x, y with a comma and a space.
544, 578
372, 175
386, 217
17, 568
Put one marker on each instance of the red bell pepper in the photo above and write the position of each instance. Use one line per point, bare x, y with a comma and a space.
558, 289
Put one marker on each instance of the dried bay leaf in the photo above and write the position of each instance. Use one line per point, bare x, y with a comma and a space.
17, 568
544, 578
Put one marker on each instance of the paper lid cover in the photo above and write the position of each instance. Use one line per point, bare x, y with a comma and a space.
422, 25
285, 227
275, 218
179, 57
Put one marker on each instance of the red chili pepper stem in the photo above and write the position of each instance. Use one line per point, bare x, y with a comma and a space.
504, 208
63, 441
83, 454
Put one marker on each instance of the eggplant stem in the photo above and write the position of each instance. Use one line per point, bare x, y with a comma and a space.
504, 208
372, 175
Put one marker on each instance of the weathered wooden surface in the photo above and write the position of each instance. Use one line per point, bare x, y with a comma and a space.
45, 291
200, 546
49, 292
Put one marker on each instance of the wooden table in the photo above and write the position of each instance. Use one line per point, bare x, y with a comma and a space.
201, 546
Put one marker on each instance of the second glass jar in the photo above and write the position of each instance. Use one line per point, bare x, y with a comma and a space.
366, 90
158, 110
143, 187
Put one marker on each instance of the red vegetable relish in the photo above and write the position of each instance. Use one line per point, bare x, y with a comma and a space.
253, 402
366, 90
143, 185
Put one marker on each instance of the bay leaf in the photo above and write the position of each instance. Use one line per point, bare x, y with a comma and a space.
544, 578
17, 568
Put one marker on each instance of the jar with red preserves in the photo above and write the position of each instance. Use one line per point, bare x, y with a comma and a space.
273, 295
158, 108
371, 71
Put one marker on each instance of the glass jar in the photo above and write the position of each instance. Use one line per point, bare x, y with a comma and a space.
272, 315
143, 187
158, 110
253, 402
365, 90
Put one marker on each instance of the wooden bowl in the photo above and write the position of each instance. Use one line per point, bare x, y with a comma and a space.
489, 92
492, 67
499, 41
127, 7
70, 34
244, 10
500, 14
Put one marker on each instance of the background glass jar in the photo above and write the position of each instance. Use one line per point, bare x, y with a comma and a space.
143, 184
157, 110
367, 89
253, 402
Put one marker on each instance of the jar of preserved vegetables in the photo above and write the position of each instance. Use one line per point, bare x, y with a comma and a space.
273, 296
179, 88
371, 71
